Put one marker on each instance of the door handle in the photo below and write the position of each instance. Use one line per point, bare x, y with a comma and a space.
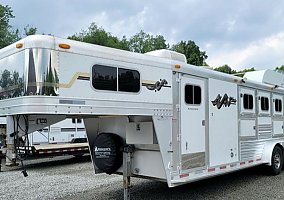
203, 122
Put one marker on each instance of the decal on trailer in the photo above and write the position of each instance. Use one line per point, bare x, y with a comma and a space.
224, 101
156, 86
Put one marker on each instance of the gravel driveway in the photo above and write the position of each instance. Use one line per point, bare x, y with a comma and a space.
73, 178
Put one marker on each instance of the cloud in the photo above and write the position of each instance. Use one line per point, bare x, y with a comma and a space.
119, 25
240, 33
261, 54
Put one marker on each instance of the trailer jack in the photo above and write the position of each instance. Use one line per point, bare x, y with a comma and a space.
24, 171
127, 172
1, 157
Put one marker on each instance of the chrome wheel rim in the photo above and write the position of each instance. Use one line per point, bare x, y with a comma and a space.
277, 160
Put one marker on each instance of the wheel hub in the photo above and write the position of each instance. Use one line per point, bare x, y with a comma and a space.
277, 160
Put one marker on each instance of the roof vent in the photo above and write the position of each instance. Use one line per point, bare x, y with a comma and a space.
168, 54
266, 76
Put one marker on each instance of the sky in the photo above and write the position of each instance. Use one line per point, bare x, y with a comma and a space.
239, 33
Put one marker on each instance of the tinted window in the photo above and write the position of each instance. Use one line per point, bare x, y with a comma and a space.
104, 78
248, 101
128, 80
197, 94
278, 105
192, 94
73, 120
264, 102
188, 94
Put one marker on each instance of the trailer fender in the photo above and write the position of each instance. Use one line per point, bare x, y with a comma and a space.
267, 151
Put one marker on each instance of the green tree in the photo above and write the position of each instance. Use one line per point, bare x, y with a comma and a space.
143, 42
241, 73
96, 35
6, 80
191, 51
281, 69
225, 69
7, 34
30, 30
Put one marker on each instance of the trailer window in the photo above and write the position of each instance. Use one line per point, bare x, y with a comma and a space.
104, 78
278, 105
248, 101
192, 94
128, 80
264, 102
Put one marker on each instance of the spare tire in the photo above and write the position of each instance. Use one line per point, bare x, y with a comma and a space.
108, 152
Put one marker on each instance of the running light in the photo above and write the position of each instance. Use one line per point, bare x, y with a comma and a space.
64, 46
19, 45
177, 66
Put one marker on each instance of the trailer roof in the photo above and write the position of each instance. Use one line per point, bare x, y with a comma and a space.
51, 42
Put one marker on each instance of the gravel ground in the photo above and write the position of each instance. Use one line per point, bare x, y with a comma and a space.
72, 179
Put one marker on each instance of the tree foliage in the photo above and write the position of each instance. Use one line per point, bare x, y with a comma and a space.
246, 70
225, 69
97, 35
143, 42
228, 70
30, 30
140, 42
191, 51
7, 34
280, 69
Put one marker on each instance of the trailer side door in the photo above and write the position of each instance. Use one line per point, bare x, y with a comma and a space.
277, 115
223, 122
192, 121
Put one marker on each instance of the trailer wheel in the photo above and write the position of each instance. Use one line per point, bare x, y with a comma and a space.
107, 151
276, 161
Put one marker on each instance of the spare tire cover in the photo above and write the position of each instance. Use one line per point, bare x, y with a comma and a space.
108, 153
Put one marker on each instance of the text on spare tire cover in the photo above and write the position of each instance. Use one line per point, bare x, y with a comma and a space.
102, 152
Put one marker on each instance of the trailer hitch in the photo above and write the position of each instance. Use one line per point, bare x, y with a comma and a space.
128, 150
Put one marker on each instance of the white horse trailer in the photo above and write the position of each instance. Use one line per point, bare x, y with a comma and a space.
62, 132
149, 115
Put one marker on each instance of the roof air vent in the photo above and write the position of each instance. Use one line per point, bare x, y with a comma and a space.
266, 76
164, 53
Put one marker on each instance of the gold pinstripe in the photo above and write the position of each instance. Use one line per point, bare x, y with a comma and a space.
74, 78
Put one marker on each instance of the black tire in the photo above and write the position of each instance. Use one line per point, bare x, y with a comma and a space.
107, 152
276, 161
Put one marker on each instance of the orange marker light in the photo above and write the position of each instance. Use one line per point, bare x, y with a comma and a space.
19, 45
64, 46
177, 66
